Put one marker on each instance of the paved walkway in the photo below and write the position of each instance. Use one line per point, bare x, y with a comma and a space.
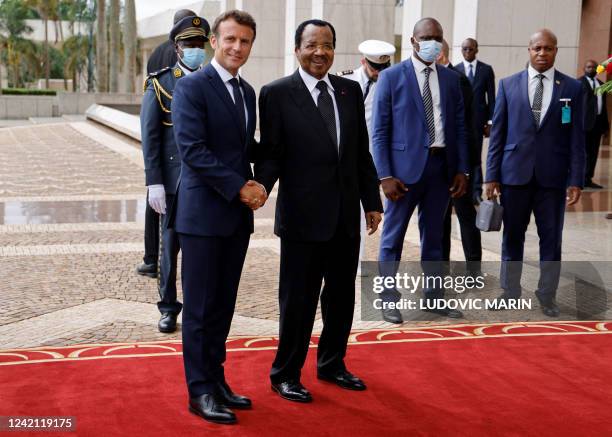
71, 225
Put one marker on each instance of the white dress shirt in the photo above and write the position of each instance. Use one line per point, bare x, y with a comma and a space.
311, 84
594, 85
467, 64
226, 76
434, 86
548, 81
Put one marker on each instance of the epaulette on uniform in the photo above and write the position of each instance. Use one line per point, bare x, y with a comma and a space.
154, 74
345, 72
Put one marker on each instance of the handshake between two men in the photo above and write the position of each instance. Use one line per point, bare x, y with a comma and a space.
253, 195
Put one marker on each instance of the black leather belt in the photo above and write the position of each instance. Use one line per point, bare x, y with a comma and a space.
437, 150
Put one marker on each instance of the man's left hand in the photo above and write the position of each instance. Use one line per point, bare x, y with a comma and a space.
459, 186
573, 195
373, 219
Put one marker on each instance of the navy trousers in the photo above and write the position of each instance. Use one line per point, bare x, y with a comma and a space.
548, 208
169, 249
431, 194
210, 273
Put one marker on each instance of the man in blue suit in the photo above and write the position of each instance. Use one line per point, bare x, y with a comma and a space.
420, 152
482, 79
536, 158
214, 123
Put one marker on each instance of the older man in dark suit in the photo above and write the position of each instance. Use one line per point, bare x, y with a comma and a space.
314, 140
596, 121
214, 123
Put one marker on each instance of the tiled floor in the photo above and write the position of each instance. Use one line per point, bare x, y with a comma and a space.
71, 224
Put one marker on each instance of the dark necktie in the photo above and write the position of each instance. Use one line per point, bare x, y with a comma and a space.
471, 74
239, 101
536, 107
326, 108
367, 90
428, 104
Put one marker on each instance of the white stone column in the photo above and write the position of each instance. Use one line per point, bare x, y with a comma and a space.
290, 25
465, 25
317, 9
411, 13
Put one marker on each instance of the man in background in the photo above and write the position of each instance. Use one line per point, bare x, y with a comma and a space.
376, 56
596, 121
162, 57
482, 79
464, 207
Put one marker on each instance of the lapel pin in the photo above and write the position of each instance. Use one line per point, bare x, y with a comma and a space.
557, 82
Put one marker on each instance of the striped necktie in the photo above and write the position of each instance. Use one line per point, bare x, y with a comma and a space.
536, 107
428, 104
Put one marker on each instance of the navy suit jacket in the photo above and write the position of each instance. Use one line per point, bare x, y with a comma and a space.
484, 91
400, 136
215, 156
518, 149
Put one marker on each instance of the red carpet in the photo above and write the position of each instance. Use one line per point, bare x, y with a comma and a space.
505, 379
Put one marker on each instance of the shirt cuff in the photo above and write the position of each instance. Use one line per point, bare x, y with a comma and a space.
490, 122
386, 177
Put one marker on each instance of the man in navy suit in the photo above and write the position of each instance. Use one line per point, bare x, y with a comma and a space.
420, 152
482, 79
536, 158
214, 123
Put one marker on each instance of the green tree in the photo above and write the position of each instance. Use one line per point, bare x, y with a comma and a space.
75, 50
101, 47
47, 10
16, 51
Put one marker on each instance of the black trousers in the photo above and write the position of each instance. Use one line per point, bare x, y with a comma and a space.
151, 235
167, 265
303, 267
592, 141
210, 271
470, 234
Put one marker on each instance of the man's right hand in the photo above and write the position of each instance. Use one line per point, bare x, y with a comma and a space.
157, 198
253, 195
492, 189
393, 188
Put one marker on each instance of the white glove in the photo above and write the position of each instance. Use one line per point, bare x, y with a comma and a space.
157, 198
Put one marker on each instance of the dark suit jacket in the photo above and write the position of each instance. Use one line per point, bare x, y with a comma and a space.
214, 155
163, 56
162, 164
484, 92
591, 120
470, 125
319, 187
518, 149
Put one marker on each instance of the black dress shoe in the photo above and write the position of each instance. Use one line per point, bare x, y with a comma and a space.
292, 391
593, 185
550, 308
210, 408
344, 379
231, 399
149, 270
392, 316
167, 323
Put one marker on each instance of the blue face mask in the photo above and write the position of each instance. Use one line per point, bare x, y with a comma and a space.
193, 57
429, 50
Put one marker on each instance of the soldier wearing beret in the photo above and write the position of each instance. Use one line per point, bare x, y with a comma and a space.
162, 164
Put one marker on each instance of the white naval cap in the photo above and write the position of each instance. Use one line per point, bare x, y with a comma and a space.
376, 51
